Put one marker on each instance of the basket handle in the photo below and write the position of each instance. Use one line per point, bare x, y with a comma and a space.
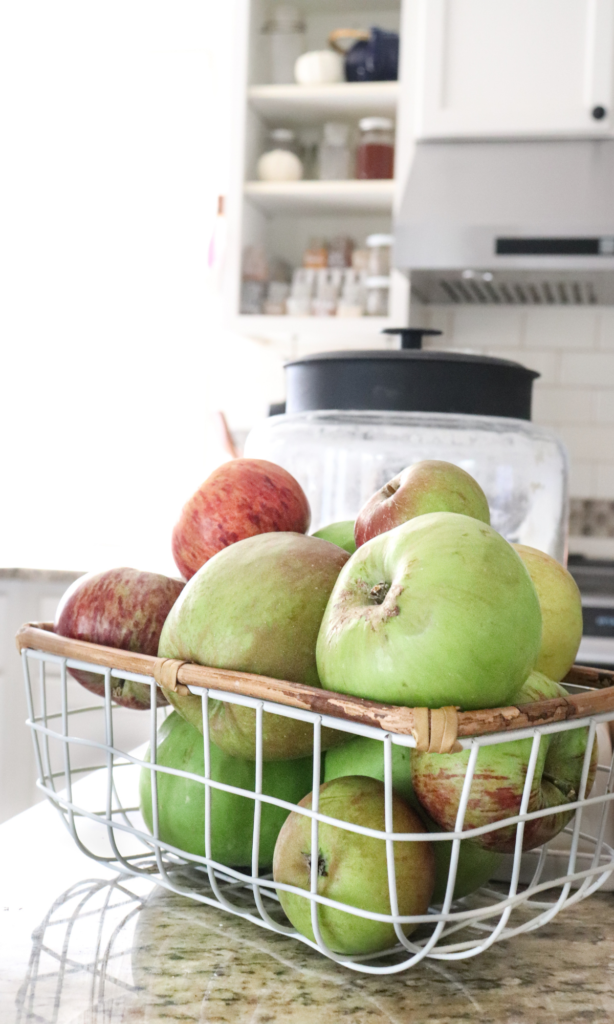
353, 34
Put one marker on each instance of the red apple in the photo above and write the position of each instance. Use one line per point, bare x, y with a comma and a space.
429, 486
240, 499
121, 608
499, 777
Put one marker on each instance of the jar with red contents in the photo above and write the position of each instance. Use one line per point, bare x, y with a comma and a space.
375, 152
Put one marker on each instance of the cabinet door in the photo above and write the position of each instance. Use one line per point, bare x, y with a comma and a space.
515, 67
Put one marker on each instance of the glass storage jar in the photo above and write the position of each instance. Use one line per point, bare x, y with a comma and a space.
375, 151
355, 419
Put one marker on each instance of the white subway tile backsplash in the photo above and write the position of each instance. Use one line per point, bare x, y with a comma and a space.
561, 329
605, 328
605, 480
604, 407
590, 368
564, 405
582, 479
587, 443
488, 328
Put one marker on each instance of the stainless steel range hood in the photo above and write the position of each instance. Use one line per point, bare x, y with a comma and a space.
509, 222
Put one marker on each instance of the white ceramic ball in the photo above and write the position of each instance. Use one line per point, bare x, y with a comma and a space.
319, 67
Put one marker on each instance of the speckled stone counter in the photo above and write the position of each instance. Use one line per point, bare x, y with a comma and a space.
79, 945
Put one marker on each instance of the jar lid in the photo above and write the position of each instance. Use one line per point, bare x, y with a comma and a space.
371, 124
375, 241
284, 18
410, 380
336, 133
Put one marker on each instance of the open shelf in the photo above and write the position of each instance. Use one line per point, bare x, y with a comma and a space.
311, 104
319, 196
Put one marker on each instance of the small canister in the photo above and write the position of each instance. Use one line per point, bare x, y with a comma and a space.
280, 162
379, 246
375, 152
378, 295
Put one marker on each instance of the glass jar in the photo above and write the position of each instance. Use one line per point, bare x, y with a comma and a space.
380, 247
285, 33
375, 152
280, 161
334, 152
378, 296
356, 419
341, 458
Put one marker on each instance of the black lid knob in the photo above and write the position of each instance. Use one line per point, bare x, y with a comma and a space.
411, 337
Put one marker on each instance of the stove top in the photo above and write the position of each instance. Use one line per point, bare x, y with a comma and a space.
595, 578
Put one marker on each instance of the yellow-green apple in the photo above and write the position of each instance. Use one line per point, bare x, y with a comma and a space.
181, 801
428, 486
241, 498
122, 608
561, 607
352, 868
256, 607
365, 756
498, 781
439, 611
339, 533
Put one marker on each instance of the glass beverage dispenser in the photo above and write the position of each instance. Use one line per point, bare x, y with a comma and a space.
353, 420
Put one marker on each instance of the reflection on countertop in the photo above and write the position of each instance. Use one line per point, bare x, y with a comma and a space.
123, 950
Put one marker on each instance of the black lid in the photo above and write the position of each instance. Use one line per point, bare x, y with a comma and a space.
410, 380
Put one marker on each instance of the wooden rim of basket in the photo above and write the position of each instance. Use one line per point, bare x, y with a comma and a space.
435, 731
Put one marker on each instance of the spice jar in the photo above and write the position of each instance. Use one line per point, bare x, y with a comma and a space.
379, 247
375, 152
334, 155
280, 162
378, 294
315, 255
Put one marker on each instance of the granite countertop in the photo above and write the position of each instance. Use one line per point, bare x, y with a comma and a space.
79, 943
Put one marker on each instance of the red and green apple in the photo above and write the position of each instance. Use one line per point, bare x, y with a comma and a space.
428, 486
241, 498
123, 608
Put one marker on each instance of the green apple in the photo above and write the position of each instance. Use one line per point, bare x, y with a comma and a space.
364, 756
561, 607
181, 801
498, 781
256, 606
352, 868
339, 533
428, 486
439, 611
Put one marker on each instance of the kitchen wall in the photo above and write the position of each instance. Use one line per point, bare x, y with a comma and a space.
573, 350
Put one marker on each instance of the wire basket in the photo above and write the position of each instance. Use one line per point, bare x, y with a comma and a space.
102, 810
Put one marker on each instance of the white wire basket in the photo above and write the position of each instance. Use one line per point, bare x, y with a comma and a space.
97, 796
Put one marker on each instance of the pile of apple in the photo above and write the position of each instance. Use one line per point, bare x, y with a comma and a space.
418, 603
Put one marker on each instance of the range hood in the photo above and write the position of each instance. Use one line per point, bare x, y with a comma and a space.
500, 222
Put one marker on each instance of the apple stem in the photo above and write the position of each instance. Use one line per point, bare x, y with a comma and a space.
378, 593
563, 787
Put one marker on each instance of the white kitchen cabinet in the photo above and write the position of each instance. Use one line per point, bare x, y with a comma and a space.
282, 217
513, 68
